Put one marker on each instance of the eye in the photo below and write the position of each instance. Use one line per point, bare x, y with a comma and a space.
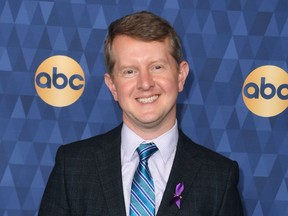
129, 73
158, 68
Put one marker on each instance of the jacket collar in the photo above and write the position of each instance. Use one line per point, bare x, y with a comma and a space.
184, 169
108, 162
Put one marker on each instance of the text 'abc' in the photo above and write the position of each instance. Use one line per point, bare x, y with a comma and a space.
59, 81
265, 91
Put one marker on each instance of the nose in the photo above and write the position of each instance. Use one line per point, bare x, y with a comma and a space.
145, 80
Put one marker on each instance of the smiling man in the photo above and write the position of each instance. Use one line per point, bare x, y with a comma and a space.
145, 166
145, 81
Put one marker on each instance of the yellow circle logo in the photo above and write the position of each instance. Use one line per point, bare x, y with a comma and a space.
59, 81
265, 91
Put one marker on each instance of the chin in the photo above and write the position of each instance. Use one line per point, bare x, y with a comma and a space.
149, 123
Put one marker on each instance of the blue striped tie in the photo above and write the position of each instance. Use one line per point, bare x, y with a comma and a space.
142, 192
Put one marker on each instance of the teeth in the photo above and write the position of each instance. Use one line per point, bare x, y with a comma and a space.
148, 100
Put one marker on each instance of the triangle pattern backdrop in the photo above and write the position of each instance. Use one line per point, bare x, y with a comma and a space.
223, 41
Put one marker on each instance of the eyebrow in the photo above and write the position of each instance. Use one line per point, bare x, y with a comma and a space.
122, 67
150, 63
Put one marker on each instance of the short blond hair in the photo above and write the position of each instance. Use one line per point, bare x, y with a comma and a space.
144, 26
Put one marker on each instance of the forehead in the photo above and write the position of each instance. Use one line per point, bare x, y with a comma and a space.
125, 46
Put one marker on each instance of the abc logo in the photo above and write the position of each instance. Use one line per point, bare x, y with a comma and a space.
59, 81
265, 91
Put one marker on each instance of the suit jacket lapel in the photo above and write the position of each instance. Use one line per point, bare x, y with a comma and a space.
184, 169
109, 167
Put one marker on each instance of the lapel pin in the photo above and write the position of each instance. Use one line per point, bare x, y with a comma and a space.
177, 195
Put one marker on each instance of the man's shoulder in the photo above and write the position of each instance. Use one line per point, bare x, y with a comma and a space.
104, 140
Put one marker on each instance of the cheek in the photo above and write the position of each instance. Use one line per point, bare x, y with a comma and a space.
123, 91
169, 84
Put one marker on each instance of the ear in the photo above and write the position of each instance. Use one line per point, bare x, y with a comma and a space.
183, 73
110, 84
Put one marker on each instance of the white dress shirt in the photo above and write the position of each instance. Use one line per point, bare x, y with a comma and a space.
160, 163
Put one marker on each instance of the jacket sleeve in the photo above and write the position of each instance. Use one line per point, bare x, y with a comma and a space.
232, 204
54, 200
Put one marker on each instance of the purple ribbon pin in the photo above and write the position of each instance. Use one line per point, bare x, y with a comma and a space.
177, 196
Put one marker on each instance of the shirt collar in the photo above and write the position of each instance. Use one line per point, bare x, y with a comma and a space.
166, 143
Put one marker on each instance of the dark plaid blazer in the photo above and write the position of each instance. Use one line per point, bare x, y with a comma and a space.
86, 180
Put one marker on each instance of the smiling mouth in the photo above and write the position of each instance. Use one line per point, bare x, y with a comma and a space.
148, 99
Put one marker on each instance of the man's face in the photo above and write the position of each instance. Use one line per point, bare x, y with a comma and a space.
146, 82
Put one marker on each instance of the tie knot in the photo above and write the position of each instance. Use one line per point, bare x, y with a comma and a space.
146, 150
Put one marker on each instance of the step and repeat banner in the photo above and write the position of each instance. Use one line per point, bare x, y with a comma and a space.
52, 90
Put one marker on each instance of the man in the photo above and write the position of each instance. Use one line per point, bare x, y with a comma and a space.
97, 176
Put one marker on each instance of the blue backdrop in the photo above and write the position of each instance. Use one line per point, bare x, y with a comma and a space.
223, 41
